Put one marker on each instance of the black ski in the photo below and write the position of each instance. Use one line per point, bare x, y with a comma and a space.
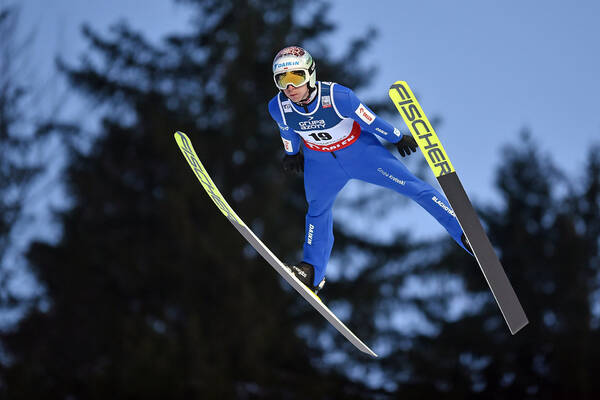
440, 164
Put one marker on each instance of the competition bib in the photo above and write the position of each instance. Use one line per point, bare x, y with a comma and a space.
335, 138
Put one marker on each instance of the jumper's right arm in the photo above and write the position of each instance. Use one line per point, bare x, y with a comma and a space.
291, 140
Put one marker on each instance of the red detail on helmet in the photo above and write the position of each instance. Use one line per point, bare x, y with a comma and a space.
291, 51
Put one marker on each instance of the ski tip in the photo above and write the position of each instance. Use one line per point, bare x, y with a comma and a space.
364, 348
396, 84
371, 353
515, 329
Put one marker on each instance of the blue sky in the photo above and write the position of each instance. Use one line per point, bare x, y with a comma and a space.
489, 68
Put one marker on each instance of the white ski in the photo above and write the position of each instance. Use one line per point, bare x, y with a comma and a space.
190, 155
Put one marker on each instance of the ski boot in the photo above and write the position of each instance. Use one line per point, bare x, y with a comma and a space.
306, 274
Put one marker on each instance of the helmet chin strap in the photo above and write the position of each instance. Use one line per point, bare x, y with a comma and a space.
310, 96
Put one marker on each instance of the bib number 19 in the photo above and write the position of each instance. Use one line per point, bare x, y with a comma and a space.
320, 136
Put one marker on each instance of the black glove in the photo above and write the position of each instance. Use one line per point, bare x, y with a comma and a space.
407, 145
293, 164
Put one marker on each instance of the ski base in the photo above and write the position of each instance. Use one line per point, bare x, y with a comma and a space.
484, 253
439, 162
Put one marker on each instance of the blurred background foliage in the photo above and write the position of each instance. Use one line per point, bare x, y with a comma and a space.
149, 292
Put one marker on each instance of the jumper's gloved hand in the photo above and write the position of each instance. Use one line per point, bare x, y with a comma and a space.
407, 145
293, 164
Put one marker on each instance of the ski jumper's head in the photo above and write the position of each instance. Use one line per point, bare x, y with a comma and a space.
295, 74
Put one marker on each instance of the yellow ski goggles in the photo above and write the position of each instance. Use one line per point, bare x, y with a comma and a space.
295, 78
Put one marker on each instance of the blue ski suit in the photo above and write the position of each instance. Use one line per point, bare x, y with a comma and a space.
336, 131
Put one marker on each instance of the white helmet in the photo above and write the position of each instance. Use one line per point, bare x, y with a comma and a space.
294, 66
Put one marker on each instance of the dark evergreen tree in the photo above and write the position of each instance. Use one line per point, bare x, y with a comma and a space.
546, 232
24, 142
150, 292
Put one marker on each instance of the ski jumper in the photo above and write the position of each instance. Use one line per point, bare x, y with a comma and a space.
336, 131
